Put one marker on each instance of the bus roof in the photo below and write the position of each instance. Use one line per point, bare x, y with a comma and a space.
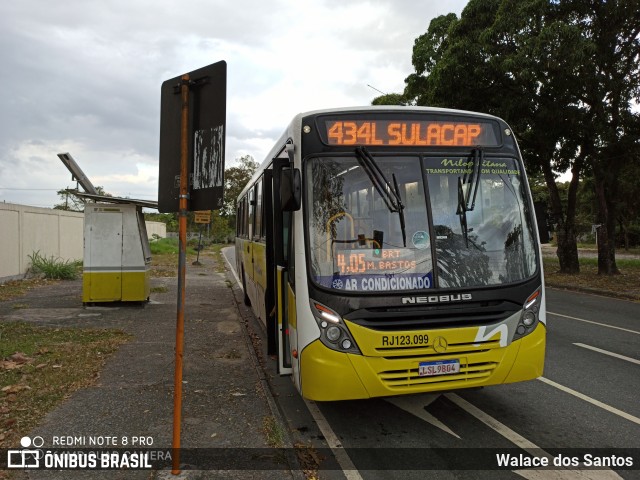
394, 108
296, 124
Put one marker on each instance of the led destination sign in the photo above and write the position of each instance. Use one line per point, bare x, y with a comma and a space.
410, 133
388, 260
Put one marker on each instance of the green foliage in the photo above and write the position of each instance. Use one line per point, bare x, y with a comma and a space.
169, 246
223, 227
54, 268
390, 99
223, 221
235, 179
169, 219
565, 76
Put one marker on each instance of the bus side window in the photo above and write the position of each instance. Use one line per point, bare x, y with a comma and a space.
241, 219
250, 218
257, 231
263, 231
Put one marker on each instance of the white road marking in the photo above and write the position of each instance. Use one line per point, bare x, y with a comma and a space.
594, 323
415, 404
597, 403
348, 468
497, 426
531, 448
606, 352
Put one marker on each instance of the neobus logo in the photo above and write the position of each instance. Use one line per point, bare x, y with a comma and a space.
460, 297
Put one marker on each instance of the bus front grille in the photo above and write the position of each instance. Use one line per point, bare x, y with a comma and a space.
409, 378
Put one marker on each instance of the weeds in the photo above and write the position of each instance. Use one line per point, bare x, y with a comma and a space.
54, 268
273, 432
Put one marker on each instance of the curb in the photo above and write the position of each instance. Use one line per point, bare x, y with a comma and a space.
247, 316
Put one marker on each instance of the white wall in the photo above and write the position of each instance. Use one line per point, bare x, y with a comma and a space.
158, 228
58, 233
25, 230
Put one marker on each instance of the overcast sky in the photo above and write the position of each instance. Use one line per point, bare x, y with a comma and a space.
84, 77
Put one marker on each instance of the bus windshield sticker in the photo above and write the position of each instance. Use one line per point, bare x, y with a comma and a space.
464, 166
421, 240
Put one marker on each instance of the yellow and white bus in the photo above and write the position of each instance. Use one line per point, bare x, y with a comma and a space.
394, 250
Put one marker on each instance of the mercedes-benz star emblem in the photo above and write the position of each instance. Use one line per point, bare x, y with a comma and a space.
440, 344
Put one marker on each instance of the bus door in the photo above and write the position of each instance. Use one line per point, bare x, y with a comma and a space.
284, 312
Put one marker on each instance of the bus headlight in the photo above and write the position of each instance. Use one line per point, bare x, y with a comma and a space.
334, 334
529, 318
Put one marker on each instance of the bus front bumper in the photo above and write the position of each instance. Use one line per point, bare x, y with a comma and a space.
328, 375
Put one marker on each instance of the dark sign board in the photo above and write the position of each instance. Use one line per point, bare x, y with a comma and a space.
206, 139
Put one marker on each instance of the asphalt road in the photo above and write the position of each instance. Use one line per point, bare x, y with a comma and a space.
587, 402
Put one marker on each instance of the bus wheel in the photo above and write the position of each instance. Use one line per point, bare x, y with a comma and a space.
246, 299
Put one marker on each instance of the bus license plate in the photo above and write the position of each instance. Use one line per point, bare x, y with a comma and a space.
442, 367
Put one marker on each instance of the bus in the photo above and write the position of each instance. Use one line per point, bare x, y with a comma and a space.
394, 250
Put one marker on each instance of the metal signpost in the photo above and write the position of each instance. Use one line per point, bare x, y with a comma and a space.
201, 218
191, 177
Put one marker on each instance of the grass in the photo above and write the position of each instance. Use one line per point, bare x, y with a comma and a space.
164, 259
54, 268
626, 285
41, 366
619, 250
168, 246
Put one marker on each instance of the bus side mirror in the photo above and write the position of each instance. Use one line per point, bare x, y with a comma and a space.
290, 189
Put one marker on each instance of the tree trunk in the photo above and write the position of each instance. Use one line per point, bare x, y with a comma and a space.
567, 250
605, 232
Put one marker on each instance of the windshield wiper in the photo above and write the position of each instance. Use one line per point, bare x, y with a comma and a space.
473, 178
390, 196
400, 210
467, 202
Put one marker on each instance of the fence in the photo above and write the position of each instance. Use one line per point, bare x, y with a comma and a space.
57, 233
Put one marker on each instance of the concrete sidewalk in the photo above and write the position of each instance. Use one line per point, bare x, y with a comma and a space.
226, 400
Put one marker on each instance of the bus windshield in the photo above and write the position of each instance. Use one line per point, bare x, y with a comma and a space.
356, 237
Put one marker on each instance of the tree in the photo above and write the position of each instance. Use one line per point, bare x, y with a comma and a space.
223, 221
390, 99
609, 91
484, 61
628, 205
235, 179
73, 203
563, 74
169, 219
